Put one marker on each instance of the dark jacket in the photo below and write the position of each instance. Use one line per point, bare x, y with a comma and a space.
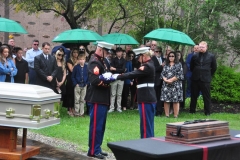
128, 68
119, 64
158, 70
44, 68
78, 77
188, 61
98, 91
107, 63
145, 74
22, 67
203, 66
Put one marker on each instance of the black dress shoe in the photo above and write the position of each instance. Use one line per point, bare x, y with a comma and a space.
104, 154
98, 156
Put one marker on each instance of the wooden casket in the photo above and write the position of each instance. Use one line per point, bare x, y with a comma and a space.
28, 106
197, 131
24, 106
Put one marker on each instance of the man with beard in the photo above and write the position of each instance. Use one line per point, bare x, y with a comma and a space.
203, 65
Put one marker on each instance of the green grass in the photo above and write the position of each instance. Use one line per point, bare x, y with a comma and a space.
121, 126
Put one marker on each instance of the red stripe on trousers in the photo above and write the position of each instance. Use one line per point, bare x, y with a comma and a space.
144, 121
205, 148
94, 126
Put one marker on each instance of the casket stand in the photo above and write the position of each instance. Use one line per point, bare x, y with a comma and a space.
24, 106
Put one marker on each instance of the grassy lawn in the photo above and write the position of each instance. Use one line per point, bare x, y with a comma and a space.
121, 126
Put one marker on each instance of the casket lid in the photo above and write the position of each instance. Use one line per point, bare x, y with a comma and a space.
26, 92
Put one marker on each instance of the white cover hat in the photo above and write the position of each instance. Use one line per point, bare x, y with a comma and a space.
105, 45
141, 50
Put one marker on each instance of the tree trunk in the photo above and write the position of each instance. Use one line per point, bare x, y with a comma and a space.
6, 15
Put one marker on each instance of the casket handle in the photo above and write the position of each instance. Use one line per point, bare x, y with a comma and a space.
178, 134
10, 112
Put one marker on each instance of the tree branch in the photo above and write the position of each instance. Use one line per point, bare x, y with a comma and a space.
46, 9
126, 21
117, 19
84, 10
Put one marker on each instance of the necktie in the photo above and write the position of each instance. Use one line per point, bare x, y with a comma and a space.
46, 57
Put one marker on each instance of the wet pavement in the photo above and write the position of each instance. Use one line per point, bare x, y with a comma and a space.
48, 152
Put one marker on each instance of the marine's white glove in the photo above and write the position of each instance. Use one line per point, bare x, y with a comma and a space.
115, 76
107, 77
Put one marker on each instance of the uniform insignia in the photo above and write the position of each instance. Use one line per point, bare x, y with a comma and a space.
96, 70
141, 68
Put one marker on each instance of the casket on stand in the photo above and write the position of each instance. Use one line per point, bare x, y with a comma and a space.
24, 106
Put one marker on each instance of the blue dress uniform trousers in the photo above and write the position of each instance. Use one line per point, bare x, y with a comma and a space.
147, 113
98, 116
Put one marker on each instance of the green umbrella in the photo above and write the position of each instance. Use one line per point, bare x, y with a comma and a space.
170, 36
7, 25
78, 36
119, 38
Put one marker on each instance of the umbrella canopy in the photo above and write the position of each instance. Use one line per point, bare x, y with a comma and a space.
78, 36
170, 36
7, 25
119, 38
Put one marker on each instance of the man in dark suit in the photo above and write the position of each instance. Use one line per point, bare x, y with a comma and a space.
158, 64
45, 66
203, 65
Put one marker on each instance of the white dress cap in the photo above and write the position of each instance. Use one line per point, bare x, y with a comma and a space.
141, 50
105, 45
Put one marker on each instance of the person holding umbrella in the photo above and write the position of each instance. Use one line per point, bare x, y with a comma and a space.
145, 90
98, 98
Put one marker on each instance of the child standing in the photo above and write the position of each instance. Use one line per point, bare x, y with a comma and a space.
22, 66
80, 81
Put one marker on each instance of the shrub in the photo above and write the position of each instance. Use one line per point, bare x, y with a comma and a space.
225, 86
199, 105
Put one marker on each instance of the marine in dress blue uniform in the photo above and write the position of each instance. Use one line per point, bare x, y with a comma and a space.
98, 98
146, 96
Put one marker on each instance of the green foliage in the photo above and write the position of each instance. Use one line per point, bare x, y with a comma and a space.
187, 103
199, 105
225, 86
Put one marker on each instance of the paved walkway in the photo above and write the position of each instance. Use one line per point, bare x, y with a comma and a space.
48, 152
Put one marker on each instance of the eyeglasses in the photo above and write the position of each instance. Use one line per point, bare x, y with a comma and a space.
60, 55
81, 49
172, 56
35, 44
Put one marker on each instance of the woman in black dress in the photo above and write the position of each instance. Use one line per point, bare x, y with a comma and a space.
61, 74
69, 97
184, 66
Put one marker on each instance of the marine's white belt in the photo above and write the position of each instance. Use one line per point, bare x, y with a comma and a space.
145, 85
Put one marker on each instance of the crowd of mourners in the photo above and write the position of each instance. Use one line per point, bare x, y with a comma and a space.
65, 71
104, 80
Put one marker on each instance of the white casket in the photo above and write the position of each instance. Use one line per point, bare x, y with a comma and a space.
28, 106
